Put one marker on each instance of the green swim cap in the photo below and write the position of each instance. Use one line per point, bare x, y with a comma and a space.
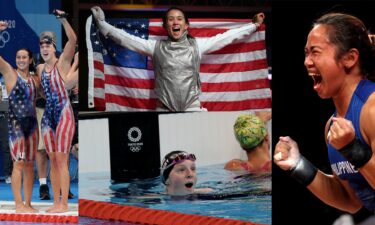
249, 130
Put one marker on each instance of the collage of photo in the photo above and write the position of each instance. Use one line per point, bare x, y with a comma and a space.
165, 112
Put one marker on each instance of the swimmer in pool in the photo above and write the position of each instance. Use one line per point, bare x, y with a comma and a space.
251, 132
178, 173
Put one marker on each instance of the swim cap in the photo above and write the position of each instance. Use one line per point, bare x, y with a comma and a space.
172, 159
48, 37
249, 131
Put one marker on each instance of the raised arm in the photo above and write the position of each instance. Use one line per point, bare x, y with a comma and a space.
3, 25
67, 55
265, 116
142, 46
207, 45
10, 76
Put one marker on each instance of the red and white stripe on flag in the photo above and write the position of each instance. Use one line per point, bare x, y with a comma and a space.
234, 78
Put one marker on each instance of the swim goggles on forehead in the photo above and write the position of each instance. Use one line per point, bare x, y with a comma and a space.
47, 40
177, 158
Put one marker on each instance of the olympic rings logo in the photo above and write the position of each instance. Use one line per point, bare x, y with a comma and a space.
135, 148
138, 134
4, 38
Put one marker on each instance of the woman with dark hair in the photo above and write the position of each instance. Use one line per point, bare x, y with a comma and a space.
22, 124
176, 60
340, 58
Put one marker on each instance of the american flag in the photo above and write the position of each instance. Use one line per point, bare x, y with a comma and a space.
234, 78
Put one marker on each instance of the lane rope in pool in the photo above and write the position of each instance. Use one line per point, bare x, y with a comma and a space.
7, 213
133, 214
38, 218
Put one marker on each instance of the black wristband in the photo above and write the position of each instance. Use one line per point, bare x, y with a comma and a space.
357, 153
304, 172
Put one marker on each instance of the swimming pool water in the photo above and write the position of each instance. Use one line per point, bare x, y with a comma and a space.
242, 197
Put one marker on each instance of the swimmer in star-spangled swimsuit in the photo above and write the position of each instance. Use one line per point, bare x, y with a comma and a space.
58, 119
23, 127
22, 123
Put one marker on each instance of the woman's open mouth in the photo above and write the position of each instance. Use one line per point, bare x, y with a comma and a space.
189, 185
176, 31
317, 78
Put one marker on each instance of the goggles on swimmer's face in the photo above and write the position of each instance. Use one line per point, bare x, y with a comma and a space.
48, 41
177, 158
